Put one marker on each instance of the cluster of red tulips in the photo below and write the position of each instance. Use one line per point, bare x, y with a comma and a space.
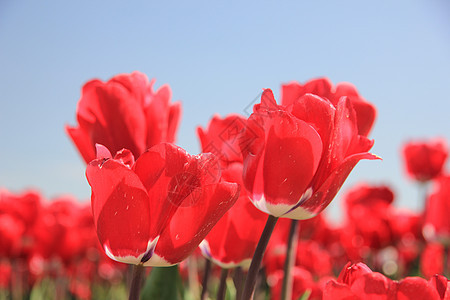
50, 248
241, 220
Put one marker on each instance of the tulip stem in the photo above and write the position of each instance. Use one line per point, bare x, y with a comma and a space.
206, 271
222, 285
135, 288
257, 258
192, 276
423, 194
286, 290
446, 261
238, 279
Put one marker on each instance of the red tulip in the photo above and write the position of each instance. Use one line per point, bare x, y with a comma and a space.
156, 211
11, 231
442, 286
322, 87
368, 212
233, 240
5, 274
124, 112
437, 221
406, 227
432, 260
19, 214
25, 206
296, 158
362, 283
303, 282
221, 138
416, 288
425, 160
352, 271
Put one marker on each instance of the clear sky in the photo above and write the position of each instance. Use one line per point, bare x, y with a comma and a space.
217, 56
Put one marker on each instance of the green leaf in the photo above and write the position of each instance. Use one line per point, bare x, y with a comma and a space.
163, 283
306, 295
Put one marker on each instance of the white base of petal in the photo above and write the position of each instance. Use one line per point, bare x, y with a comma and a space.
284, 210
157, 261
206, 251
299, 214
133, 260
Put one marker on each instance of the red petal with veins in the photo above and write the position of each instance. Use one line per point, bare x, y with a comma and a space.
235, 236
190, 224
292, 154
121, 209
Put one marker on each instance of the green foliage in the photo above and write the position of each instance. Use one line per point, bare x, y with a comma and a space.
163, 283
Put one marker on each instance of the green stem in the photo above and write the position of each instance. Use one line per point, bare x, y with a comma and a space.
207, 271
423, 195
135, 287
192, 276
222, 285
446, 271
257, 258
238, 279
286, 290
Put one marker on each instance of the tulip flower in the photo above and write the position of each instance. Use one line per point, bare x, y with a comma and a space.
436, 221
368, 215
303, 283
442, 285
322, 87
221, 138
124, 112
65, 230
359, 282
233, 240
424, 160
432, 260
157, 210
19, 214
296, 158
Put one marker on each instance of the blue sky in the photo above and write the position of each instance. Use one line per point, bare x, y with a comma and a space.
217, 56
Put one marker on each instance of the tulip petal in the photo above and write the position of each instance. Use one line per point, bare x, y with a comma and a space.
157, 121
292, 91
338, 291
345, 131
110, 113
441, 284
292, 154
343, 136
252, 143
372, 286
174, 122
324, 195
156, 169
121, 210
125, 121
317, 112
82, 142
102, 152
190, 224
366, 113
233, 240
416, 288
221, 137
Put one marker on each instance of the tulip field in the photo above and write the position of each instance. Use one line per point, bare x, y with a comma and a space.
243, 219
